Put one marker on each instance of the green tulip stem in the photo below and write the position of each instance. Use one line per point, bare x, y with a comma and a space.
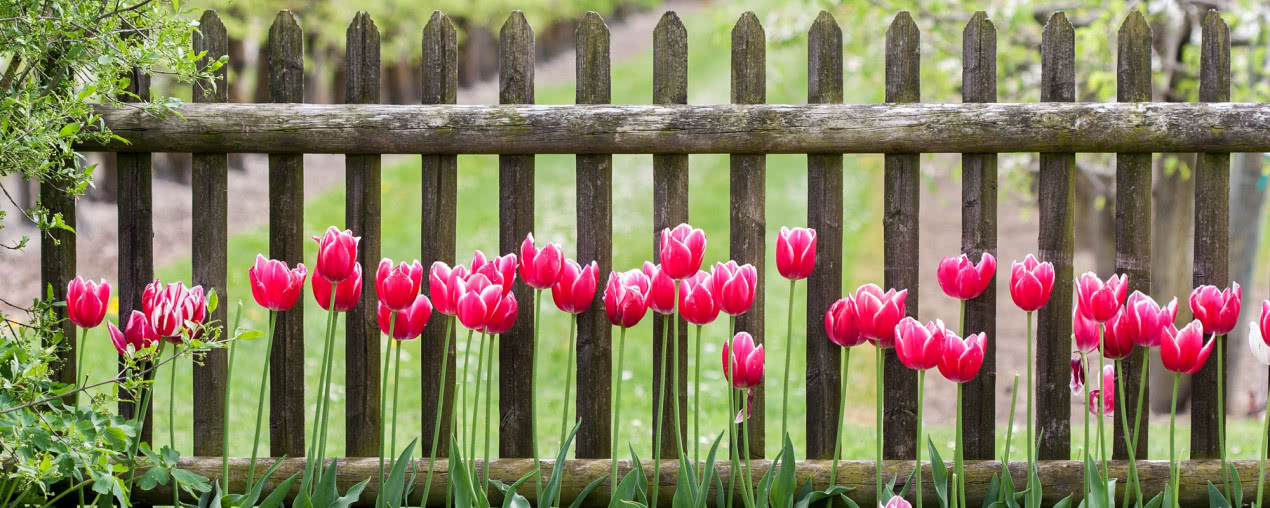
312, 464
1137, 419
921, 386
617, 408
732, 452
696, 405
568, 380
661, 407
463, 430
476, 404
1221, 412
172, 401
748, 479
533, 395
138, 423
229, 374
844, 359
789, 345
1261, 474
1124, 423
489, 399
1031, 445
396, 389
79, 362
1085, 409
674, 374
958, 459
260, 402
877, 464
1102, 407
326, 392
440, 408
383, 404
1173, 467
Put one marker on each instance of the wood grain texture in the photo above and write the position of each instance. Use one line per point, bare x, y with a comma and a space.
670, 208
1055, 204
595, 243
1212, 233
900, 205
516, 219
437, 227
209, 194
136, 234
824, 215
286, 243
748, 197
1133, 216
362, 209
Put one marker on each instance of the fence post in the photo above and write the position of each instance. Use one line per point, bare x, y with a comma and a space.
1212, 233
440, 178
136, 238
901, 203
670, 208
595, 241
1133, 215
979, 235
824, 214
1055, 242
362, 217
286, 243
209, 244
748, 196
516, 219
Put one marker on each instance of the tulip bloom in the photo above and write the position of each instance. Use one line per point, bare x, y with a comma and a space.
1261, 352
502, 316
1216, 309
920, 348
626, 297
963, 280
1141, 321
170, 307
347, 291
397, 286
795, 252
86, 302
337, 254
1031, 283
273, 285
408, 323
1117, 345
1183, 351
1085, 331
480, 298
842, 324
733, 287
879, 313
743, 361
500, 270
962, 358
895, 502
696, 304
540, 268
575, 290
1108, 405
661, 292
136, 336
1100, 301
681, 250
443, 283
1263, 322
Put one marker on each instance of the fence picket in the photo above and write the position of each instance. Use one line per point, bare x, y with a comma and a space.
362, 205
670, 207
595, 241
209, 189
136, 237
824, 214
286, 243
1054, 243
900, 234
1133, 214
1212, 234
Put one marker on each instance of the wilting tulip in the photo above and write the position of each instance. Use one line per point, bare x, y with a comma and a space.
681, 250
1140, 322
575, 290
795, 252
540, 268
1077, 383
626, 297
480, 298
696, 304
501, 270
842, 324
661, 290
137, 335
443, 283
347, 291
86, 302
743, 361
337, 254
1216, 309
503, 315
397, 286
962, 358
879, 313
733, 287
963, 280
1117, 344
1031, 283
1100, 301
273, 285
408, 323
895, 502
1184, 351
920, 347
1108, 405
1085, 331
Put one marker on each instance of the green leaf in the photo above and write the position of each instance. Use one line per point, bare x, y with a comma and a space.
552, 489
709, 474
1236, 486
1215, 498
784, 482
1065, 502
464, 497
634, 485
212, 301
70, 129
391, 494
685, 484
353, 494
275, 498
1160, 498
211, 498
586, 491
815, 496
251, 334
762, 495
254, 491
193, 483
938, 473
511, 497
156, 475
994, 491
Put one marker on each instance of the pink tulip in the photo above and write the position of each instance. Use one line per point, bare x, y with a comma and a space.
273, 285
540, 268
962, 359
1117, 344
1218, 310
1263, 323
503, 315
172, 308
575, 290
337, 254
1031, 283
397, 286
743, 362
408, 323
86, 302
500, 271
1078, 374
681, 250
626, 297
443, 284
963, 280
879, 313
1108, 405
480, 298
1101, 301
920, 347
661, 291
1184, 351
1085, 331
137, 334
1142, 320
842, 324
734, 287
696, 304
895, 502
347, 291
795, 252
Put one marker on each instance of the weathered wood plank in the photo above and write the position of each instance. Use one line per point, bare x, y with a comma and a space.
1212, 233
979, 235
1133, 214
748, 197
516, 219
670, 208
209, 191
1055, 204
595, 242
136, 235
286, 243
900, 235
437, 225
362, 204
824, 214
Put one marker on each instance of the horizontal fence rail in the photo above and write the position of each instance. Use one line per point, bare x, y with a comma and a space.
715, 128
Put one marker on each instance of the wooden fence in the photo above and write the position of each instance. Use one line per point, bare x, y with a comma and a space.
670, 129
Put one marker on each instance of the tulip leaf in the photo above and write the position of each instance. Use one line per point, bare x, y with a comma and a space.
685, 484
1215, 497
938, 473
279, 494
708, 475
586, 491
254, 491
1236, 486
784, 482
390, 496
720, 496
511, 497
763, 494
994, 491
1160, 498
464, 497
1064, 503
806, 498
211, 498
634, 486
552, 490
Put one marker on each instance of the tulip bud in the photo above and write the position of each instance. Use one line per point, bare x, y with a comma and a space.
795, 252
895, 502
842, 323
1117, 344
963, 280
1031, 283
681, 250
337, 253
661, 290
1257, 344
86, 302
540, 268
1078, 374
